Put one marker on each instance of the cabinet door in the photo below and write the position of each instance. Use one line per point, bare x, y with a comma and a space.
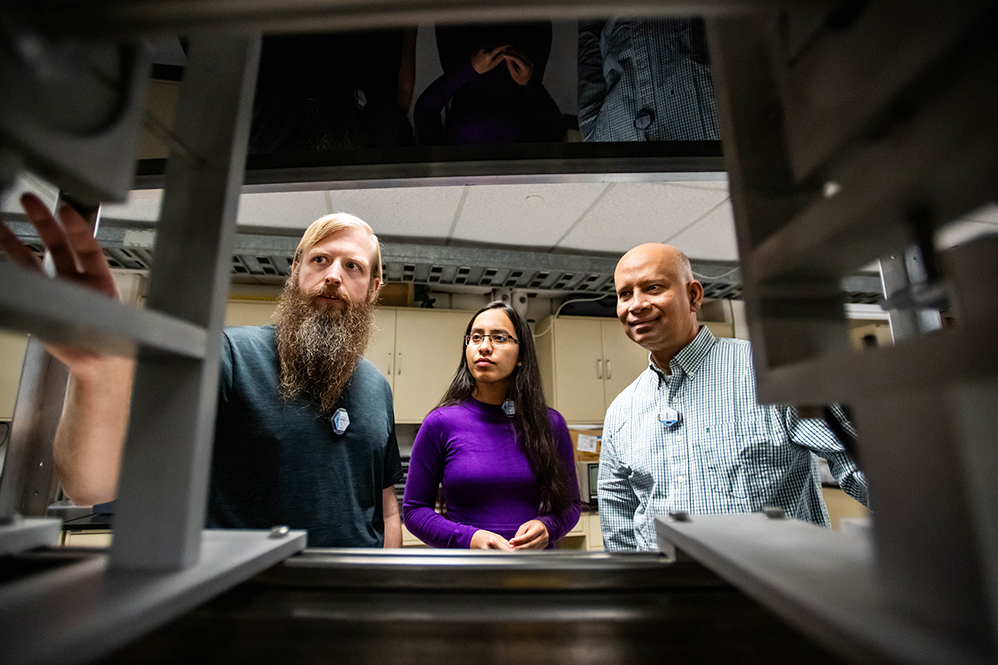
578, 369
719, 328
381, 349
250, 312
623, 360
594, 535
428, 346
12, 348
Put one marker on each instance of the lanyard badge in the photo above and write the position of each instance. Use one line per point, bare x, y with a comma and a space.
668, 416
340, 421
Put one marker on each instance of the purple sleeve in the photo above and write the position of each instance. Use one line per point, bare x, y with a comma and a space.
426, 468
426, 114
561, 523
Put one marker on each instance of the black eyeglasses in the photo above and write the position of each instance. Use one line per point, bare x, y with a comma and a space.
498, 339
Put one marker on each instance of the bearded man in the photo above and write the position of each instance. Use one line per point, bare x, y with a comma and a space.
305, 431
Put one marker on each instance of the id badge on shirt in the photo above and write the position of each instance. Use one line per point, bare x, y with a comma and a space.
340, 421
668, 416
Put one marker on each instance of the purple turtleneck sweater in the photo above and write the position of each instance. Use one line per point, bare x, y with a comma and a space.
471, 448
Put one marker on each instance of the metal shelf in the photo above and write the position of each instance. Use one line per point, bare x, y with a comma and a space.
951, 139
823, 582
71, 314
86, 609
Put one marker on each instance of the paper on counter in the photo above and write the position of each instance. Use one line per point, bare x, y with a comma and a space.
586, 443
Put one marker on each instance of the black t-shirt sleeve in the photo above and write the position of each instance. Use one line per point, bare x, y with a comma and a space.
225, 369
393, 461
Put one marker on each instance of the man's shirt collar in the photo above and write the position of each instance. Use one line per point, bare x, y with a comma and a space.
690, 357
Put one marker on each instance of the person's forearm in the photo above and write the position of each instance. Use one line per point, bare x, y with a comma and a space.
393, 521
436, 530
855, 485
560, 524
393, 531
91, 434
426, 114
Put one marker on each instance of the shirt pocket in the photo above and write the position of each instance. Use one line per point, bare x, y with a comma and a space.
725, 475
764, 460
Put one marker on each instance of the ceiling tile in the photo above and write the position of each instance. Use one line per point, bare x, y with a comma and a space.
292, 210
712, 238
703, 184
24, 183
425, 212
532, 215
634, 213
143, 205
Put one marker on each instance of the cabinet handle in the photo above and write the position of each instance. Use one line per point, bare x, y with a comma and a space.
608, 369
398, 365
390, 354
599, 369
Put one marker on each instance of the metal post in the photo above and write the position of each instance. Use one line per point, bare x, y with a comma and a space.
173, 401
898, 272
927, 558
29, 484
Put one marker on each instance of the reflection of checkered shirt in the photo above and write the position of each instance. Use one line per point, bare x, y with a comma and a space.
727, 454
645, 80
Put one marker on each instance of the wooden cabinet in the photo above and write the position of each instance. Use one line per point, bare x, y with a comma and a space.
594, 535
12, 346
586, 535
585, 363
418, 351
250, 312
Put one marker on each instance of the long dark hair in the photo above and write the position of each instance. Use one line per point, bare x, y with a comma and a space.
531, 420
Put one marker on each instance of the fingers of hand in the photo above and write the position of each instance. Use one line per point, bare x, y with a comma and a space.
499, 543
51, 234
486, 540
75, 252
526, 534
88, 251
16, 250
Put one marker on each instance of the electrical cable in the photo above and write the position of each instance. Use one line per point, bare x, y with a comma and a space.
562, 306
721, 276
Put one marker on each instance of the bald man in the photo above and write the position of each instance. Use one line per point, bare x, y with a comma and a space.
688, 434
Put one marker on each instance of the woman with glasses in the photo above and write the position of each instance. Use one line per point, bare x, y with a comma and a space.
503, 458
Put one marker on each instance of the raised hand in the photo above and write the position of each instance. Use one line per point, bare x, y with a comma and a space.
77, 257
75, 252
520, 67
532, 535
91, 433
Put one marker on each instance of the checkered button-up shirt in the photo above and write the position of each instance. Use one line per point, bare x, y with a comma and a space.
645, 80
726, 453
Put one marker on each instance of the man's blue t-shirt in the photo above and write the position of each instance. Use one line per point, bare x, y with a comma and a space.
278, 462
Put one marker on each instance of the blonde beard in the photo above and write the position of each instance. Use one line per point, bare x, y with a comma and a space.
319, 348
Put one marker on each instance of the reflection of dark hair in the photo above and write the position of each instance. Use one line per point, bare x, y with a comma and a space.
531, 420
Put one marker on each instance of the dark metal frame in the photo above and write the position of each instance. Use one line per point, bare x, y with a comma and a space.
910, 144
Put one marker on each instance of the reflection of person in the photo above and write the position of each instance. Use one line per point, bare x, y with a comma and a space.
277, 458
688, 434
645, 80
491, 87
310, 97
504, 460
